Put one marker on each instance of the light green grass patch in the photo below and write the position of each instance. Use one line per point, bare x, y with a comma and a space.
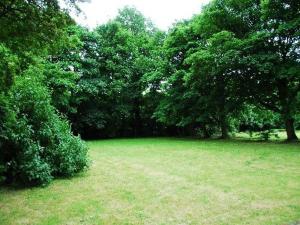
169, 181
280, 135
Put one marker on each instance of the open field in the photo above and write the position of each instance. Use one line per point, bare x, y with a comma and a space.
168, 181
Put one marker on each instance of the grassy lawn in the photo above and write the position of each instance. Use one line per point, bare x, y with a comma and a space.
168, 181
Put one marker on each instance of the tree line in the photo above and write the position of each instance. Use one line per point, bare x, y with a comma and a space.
233, 67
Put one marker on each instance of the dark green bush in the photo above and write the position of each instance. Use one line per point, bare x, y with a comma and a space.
39, 144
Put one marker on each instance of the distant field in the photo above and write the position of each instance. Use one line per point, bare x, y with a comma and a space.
168, 181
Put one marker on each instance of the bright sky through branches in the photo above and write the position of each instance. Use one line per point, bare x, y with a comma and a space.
163, 13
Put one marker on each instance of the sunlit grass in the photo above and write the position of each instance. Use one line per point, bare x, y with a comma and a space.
280, 135
168, 181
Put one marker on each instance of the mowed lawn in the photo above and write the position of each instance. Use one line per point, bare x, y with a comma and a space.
168, 181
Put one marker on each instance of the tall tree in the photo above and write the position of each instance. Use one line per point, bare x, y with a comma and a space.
269, 65
112, 61
273, 54
174, 107
213, 71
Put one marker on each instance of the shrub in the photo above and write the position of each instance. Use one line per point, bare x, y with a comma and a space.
39, 144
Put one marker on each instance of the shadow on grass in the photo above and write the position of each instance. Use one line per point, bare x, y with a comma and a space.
15, 187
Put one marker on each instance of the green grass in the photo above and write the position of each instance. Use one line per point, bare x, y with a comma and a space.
168, 181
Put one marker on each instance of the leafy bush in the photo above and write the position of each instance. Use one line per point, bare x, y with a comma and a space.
39, 144
8, 65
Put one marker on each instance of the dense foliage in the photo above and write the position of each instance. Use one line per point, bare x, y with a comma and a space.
218, 73
113, 61
36, 142
233, 67
232, 56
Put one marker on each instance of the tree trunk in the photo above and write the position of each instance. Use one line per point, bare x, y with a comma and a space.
222, 109
286, 113
224, 125
290, 130
137, 123
205, 131
224, 129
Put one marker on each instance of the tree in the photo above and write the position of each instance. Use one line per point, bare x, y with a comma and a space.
213, 71
112, 61
175, 104
36, 143
274, 60
269, 50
